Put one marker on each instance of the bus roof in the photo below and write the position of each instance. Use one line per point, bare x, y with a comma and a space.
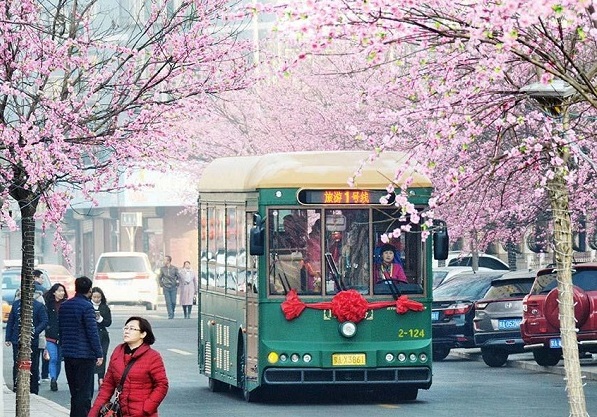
325, 169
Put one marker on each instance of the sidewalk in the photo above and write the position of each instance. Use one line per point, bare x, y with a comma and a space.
39, 406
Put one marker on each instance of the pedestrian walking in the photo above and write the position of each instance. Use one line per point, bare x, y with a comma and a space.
81, 346
54, 298
169, 279
103, 317
13, 329
188, 289
145, 385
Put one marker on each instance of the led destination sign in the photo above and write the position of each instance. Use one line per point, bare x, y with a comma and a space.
350, 196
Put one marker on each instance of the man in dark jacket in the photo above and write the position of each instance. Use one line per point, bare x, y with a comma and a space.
80, 345
169, 279
13, 328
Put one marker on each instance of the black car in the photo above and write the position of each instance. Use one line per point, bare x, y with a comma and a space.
498, 316
453, 310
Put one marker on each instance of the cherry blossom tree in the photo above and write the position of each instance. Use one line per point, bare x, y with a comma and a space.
455, 93
315, 106
90, 90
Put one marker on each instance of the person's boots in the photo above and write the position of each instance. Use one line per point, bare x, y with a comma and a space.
53, 385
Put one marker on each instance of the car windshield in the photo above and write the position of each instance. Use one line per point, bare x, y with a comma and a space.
509, 288
585, 279
438, 277
11, 281
121, 264
467, 286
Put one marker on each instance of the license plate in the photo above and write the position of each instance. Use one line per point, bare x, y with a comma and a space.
348, 359
434, 315
508, 324
122, 282
555, 343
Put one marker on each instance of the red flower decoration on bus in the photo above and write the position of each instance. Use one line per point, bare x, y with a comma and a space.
349, 306
293, 306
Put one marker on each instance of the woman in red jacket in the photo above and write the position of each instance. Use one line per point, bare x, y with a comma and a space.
146, 384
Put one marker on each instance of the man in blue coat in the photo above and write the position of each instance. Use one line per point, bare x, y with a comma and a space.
13, 328
80, 344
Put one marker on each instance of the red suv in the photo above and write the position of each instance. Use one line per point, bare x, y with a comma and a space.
540, 325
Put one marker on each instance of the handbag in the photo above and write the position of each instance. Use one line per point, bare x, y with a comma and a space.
112, 407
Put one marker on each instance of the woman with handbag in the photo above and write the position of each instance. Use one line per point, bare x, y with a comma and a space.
136, 377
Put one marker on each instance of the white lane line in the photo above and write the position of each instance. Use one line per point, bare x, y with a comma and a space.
180, 352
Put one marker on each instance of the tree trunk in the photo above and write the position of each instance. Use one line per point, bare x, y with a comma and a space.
559, 200
23, 408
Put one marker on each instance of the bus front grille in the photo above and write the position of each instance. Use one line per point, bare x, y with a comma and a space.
278, 376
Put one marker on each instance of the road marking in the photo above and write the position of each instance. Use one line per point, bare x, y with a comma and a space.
389, 406
180, 352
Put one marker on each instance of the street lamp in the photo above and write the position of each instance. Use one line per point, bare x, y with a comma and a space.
550, 97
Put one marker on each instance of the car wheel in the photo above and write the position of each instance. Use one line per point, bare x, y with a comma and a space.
581, 307
547, 357
440, 353
494, 358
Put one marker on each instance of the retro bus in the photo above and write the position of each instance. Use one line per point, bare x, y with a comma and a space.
293, 287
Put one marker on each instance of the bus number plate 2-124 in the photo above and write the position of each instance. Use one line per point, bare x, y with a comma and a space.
348, 359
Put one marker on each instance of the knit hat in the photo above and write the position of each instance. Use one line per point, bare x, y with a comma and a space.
387, 247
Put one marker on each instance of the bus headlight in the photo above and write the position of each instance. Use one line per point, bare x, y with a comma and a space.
401, 357
272, 357
389, 357
294, 357
307, 358
348, 329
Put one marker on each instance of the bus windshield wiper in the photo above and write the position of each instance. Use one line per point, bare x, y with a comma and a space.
334, 271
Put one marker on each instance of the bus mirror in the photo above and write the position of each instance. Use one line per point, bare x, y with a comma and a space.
440, 242
257, 237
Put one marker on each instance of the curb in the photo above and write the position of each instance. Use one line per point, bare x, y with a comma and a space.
587, 374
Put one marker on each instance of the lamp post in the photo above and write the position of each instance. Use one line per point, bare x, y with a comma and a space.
554, 99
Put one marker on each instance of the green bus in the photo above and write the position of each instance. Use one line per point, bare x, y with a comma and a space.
295, 287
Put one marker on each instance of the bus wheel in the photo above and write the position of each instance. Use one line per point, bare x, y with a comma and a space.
407, 394
251, 396
217, 386
440, 353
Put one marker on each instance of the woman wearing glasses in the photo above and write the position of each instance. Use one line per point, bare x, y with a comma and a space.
146, 383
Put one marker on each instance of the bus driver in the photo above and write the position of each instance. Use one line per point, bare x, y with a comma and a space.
389, 268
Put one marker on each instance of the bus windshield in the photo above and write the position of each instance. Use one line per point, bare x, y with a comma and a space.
324, 251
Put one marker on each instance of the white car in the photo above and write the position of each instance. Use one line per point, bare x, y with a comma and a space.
127, 278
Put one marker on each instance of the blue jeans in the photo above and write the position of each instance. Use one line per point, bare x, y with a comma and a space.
55, 359
170, 297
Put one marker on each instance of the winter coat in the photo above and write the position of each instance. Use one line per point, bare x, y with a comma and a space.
187, 289
40, 321
102, 326
53, 330
169, 277
79, 336
145, 387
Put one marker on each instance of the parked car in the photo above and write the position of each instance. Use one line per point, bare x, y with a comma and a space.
446, 273
540, 326
485, 261
498, 315
11, 282
59, 275
453, 309
127, 278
